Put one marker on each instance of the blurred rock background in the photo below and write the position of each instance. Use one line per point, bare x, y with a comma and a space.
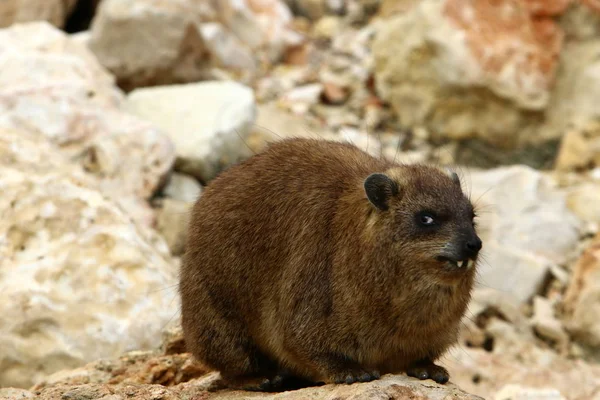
114, 114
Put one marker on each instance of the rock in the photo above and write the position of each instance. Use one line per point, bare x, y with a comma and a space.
15, 394
513, 356
525, 226
580, 148
583, 202
54, 87
79, 280
312, 9
582, 305
148, 42
581, 21
518, 392
183, 188
151, 375
207, 121
171, 221
546, 324
389, 387
19, 11
327, 27
547, 8
468, 69
571, 110
300, 99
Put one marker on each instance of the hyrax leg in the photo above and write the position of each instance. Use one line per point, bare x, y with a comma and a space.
220, 341
426, 369
339, 369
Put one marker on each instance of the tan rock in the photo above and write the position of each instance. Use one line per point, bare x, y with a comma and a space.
79, 281
577, 89
583, 201
207, 121
580, 148
582, 305
546, 324
19, 11
468, 68
52, 86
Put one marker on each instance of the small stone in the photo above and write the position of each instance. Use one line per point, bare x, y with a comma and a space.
301, 98
334, 94
546, 324
207, 121
183, 188
172, 221
580, 148
327, 27
311, 9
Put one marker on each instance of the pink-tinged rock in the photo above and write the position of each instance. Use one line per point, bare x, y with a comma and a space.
468, 68
517, 54
547, 8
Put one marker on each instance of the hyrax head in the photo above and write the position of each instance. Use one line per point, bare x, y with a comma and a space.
426, 218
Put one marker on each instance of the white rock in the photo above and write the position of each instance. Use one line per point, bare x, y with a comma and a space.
207, 121
54, 87
525, 226
183, 187
78, 280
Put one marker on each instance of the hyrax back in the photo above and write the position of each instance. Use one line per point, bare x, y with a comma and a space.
317, 261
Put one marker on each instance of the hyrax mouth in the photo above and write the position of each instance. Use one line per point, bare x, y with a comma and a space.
458, 264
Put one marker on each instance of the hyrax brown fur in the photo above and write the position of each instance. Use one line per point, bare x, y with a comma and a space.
317, 262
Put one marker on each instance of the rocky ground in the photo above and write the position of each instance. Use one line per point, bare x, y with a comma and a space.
115, 114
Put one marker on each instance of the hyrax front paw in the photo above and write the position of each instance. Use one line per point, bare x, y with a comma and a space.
351, 376
428, 370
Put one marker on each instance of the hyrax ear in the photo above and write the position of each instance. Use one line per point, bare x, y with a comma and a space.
453, 175
379, 189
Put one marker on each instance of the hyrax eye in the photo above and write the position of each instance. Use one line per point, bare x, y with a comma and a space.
426, 219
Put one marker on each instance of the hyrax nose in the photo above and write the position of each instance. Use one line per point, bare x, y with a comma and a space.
473, 246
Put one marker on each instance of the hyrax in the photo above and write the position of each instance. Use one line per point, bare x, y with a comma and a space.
316, 262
